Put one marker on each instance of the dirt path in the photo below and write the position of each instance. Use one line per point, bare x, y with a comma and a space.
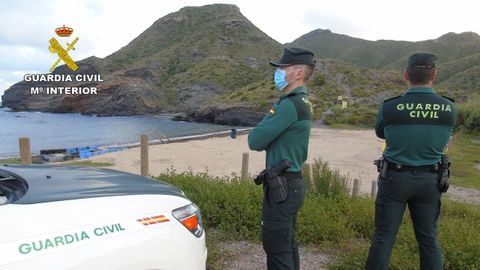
242, 255
466, 195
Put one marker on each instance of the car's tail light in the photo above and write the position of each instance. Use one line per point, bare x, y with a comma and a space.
189, 216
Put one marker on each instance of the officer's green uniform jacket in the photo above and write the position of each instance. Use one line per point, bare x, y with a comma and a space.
416, 126
285, 130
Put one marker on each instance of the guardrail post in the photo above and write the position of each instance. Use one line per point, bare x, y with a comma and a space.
244, 174
144, 155
356, 188
25, 153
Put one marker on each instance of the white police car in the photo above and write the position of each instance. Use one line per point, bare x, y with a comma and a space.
67, 217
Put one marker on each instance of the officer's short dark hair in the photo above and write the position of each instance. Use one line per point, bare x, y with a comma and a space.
419, 75
307, 71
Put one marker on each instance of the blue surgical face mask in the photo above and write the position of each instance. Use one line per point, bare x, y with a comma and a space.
279, 79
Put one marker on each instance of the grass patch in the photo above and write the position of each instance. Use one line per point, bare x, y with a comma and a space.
348, 127
355, 115
469, 115
459, 225
89, 163
10, 161
465, 155
35, 160
216, 256
329, 219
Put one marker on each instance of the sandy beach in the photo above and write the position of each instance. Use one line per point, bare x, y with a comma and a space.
350, 151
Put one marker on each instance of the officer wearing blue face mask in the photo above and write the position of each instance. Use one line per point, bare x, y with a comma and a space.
284, 134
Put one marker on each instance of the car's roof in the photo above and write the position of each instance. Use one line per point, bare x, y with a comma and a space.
47, 183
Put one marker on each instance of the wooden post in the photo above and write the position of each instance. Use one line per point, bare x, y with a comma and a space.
25, 154
244, 174
374, 189
356, 188
144, 155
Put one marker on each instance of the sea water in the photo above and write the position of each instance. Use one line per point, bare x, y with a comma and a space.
67, 130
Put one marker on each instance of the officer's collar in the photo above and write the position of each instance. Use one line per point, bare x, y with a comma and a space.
427, 90
299, 90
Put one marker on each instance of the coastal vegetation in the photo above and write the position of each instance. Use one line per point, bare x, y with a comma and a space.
465, 155
37, 160
469, 115
464, 148
330, 220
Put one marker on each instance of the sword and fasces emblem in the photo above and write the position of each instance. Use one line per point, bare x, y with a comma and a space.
56, 47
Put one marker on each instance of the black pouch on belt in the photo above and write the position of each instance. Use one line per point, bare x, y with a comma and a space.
382, 168
444, 174
277, 183
278, 188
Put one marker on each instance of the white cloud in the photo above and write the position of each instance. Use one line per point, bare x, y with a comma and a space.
8, 78
4, 85
25, 57
336, 22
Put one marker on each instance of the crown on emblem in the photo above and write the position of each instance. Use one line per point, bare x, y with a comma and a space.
64, 31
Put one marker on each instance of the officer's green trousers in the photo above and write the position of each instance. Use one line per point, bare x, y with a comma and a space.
278, 229
418, 190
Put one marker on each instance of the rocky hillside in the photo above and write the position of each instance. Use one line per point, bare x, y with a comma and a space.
332, 78
458, 55
210, 63
179, 63
389, 54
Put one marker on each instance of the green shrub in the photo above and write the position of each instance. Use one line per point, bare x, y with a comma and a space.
326, 182
354, 115
469, 116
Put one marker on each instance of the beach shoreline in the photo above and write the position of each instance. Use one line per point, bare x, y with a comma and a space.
81, 131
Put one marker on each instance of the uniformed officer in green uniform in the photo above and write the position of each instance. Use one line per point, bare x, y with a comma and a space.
284, 134
416, 126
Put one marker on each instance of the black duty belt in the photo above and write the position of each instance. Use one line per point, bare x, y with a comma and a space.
292, 175
426, 168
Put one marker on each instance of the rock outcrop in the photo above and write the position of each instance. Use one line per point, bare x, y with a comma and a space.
233, 116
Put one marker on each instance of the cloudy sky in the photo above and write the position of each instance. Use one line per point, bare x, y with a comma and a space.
27, 25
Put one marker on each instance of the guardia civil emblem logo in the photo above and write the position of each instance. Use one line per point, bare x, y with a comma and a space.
56, 47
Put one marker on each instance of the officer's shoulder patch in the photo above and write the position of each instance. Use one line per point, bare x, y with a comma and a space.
302, 106
449, 98
392, 98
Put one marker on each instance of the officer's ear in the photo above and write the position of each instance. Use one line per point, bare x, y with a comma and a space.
405, 75
300, 73
434, 75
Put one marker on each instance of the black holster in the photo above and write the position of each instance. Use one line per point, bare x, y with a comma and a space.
275, 181
444, 174
382, 168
